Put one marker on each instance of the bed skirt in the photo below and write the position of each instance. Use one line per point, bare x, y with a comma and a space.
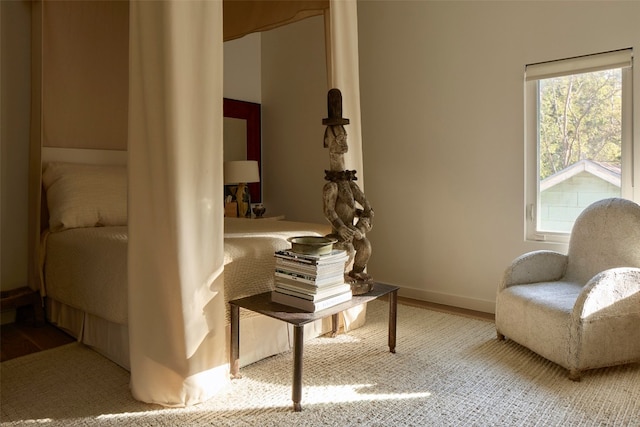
260, 336
107, 338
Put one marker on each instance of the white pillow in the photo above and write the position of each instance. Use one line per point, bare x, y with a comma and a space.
81, 195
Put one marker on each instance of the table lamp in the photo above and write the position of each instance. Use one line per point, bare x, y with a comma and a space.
238, 173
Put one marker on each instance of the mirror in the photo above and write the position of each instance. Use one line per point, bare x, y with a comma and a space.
242, 137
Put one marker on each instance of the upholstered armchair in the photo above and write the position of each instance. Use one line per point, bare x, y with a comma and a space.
580, 310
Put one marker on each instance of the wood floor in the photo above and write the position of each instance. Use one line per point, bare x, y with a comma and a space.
20, 339
29, 333
24, 337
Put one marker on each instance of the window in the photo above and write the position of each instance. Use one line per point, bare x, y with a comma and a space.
578, 139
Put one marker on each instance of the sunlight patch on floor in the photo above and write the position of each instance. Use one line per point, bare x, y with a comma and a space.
355, 393
329, 394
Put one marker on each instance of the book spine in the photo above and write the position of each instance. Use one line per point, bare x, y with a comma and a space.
282, 290
309, 259
313, 296
296, 285
283, 256
304, 268
330, 302
291, 301
309, 280
310, 276
309, 305
303, 287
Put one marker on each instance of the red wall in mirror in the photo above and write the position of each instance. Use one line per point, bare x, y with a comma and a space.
250, 112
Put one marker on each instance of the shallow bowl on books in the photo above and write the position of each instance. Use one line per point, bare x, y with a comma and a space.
312, 245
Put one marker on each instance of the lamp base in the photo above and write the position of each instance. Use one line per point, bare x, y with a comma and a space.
244, 201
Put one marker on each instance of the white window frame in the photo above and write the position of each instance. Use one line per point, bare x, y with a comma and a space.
630, 164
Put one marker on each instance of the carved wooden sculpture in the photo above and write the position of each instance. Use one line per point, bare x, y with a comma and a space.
345, 205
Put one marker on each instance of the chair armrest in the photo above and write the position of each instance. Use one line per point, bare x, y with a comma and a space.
534, 267
616, 286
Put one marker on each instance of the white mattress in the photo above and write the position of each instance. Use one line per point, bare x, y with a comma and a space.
85, 271
86, 268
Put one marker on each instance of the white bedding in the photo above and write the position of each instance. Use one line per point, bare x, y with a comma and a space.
86, 268
85, 260
249, 246
96, 279
85, 276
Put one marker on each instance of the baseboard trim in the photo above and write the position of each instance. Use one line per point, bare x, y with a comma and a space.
475, 304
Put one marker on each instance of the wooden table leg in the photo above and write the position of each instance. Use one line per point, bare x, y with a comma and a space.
298, 344
234, 351
393, 317
334, 325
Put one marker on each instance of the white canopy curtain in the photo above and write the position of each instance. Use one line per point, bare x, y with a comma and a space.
341, 44
176, 309
176, 315
341, 40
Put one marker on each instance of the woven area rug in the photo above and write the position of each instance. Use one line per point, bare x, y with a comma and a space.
449, 370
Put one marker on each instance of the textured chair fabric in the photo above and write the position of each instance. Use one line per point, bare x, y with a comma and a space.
580, 310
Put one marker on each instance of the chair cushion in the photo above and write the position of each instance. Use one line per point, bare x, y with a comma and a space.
538, 316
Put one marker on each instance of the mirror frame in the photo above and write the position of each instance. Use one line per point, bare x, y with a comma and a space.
251, 113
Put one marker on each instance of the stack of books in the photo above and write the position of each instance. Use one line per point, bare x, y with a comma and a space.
310, 282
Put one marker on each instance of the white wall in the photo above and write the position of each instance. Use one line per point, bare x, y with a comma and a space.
294, 102
242, 70
442, 117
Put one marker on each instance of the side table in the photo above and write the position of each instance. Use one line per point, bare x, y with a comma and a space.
21, 297
261, 303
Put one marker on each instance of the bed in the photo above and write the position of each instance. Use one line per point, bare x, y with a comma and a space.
84, 262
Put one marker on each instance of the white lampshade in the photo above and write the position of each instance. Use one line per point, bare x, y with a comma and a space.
241, 171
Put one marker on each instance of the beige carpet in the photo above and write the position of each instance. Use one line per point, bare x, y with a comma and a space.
448, 371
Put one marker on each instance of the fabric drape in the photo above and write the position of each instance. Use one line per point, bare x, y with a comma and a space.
341, 33
242, 17
341, 43
176, 307
35, 150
